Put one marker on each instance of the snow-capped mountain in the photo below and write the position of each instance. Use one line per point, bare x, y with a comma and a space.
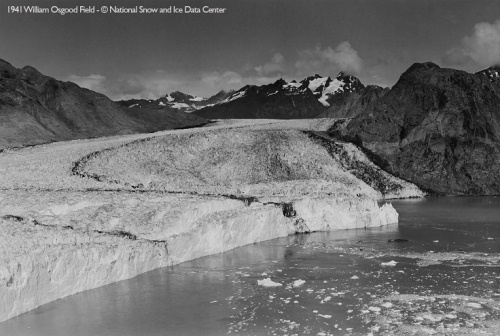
177, 101
326, 88
305, 99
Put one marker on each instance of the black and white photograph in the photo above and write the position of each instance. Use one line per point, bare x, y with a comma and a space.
249, 167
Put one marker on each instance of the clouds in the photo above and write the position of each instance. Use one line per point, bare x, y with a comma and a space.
275, 66
222, 79
328, 62
145, 86
482, 47
92, 82
114, 89
229, 80
152, 85
341, 58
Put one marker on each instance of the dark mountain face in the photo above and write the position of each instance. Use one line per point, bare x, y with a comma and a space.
277, 100
493, 74
356, 102
439, 128
281, 100
175, 101
37, 109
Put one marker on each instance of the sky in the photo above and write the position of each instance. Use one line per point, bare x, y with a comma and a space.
253, 42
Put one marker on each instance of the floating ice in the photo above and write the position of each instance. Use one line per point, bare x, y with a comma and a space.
267, 282
374, 309
390, 263
298, 283
474, 305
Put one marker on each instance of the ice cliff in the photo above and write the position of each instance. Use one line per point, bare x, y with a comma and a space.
121, 209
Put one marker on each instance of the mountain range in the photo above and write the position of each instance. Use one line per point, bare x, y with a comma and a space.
312, 96
36, 109
308, 98
176, 101
436, 127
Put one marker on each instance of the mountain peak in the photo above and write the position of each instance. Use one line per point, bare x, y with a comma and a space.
311, 78
4, 63
178, 93
32, 73
280, 82
7, 69
422, 66
341, 74
29, 68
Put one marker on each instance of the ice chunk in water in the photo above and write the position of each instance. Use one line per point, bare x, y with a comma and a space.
298, 283
267, 282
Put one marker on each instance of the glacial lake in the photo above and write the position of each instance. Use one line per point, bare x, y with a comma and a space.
445, 277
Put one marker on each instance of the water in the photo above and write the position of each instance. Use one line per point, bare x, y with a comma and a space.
452, 249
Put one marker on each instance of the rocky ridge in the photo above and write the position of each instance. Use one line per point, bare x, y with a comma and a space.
355, 103
439, 128
36, 109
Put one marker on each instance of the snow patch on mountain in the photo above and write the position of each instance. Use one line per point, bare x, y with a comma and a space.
292, 84
180, 105
234, 96
334, 87
317, 82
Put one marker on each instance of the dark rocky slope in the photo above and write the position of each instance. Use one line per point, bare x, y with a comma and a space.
272, 101
493, 74
439, 128
36, 109
355, 102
